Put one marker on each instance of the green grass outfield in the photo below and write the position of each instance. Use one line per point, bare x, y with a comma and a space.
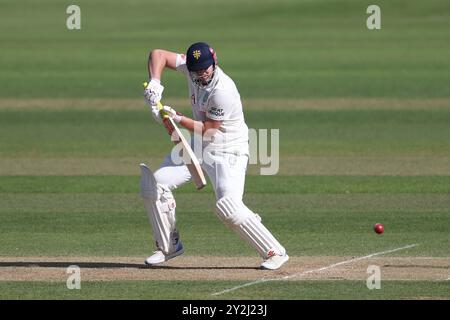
283, 48
364, 120
308, 220
170, 290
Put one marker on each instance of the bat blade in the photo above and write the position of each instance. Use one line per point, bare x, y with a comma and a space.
192, 161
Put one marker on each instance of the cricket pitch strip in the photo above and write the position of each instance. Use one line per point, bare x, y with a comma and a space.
41, 268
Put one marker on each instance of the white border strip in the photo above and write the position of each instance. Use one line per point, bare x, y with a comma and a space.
313, 270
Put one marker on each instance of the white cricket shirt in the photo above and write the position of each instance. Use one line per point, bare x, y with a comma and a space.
219, 100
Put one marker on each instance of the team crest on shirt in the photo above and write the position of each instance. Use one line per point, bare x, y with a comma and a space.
196, 54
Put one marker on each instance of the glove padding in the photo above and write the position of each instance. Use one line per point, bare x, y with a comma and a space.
153, 92
176, 116
156, 113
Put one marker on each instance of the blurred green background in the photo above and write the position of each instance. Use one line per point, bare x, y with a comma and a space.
285, 48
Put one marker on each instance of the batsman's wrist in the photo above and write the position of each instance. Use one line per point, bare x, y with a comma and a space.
177, 118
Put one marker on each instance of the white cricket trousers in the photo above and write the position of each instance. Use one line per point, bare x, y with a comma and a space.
226, 172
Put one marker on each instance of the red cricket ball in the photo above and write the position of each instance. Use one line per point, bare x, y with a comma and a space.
379, 228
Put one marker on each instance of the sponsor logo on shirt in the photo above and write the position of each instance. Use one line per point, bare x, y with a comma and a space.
218, 112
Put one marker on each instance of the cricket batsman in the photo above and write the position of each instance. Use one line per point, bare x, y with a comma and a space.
217, 115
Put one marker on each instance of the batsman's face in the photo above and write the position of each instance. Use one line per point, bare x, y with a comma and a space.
203, 76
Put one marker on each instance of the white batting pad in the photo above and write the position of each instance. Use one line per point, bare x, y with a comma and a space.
160, 206
148, 183
248, 225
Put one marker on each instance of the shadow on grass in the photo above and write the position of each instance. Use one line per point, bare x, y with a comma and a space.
111, 265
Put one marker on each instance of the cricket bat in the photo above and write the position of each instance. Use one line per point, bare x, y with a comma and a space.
191, 159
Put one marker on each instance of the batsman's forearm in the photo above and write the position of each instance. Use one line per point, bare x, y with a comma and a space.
205, 128
192, 125
156, 64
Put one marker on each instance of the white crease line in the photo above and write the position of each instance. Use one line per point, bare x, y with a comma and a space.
314, 270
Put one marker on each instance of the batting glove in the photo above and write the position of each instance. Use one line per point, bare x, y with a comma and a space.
156, 113
153, 92
176, 116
